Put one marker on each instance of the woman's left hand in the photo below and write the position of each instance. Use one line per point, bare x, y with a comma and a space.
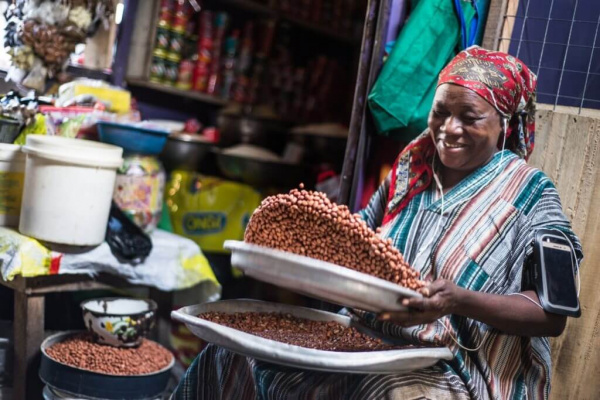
442, 300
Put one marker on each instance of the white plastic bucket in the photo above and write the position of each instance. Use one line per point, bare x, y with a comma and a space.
12, 176
68, 189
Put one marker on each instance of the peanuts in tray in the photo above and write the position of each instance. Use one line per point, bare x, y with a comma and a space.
319, 335
308, 223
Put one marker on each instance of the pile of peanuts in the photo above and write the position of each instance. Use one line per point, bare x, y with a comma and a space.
308, 223
285, 328
82, 352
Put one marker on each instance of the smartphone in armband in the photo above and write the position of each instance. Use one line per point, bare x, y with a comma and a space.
552, 273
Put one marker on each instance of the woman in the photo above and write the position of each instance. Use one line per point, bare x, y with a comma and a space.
463, 206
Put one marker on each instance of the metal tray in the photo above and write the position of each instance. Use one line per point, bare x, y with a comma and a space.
373, 362
315, 278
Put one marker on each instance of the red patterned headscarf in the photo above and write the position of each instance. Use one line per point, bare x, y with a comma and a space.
504, 82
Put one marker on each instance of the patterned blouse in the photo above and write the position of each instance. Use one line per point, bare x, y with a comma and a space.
480, 242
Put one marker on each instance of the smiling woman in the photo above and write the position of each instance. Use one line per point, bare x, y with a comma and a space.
469, 236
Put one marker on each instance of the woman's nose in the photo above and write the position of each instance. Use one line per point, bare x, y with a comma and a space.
452, 125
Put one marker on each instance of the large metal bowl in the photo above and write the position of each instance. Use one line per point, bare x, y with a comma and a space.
372, 362
319, 279
322, 148
185, 151
82, 383
235, 129
263, 173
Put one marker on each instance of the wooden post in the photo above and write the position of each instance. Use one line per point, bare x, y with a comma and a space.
494, 24
98, 52
28, 336
360, 101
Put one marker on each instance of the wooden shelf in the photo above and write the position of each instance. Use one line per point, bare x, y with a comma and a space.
253, 6
202, 97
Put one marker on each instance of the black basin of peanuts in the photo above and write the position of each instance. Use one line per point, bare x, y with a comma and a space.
309, 224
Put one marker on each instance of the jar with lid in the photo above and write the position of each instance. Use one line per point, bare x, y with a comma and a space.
139, 189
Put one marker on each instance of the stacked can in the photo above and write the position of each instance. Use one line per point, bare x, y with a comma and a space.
221, 21
205, 52
171, 36
161, 47
229, 63
241, 88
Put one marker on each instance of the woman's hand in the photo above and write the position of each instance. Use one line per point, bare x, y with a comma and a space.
442, 300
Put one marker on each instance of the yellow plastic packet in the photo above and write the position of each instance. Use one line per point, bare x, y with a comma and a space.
209, 210
38, 127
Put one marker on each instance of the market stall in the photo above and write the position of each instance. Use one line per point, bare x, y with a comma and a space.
225, 155
85, 170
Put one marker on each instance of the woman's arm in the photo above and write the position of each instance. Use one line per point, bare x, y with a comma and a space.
513, 315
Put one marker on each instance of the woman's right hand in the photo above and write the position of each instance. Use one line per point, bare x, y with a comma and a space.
441, 301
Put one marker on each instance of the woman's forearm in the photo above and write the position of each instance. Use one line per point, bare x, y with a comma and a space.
514, 315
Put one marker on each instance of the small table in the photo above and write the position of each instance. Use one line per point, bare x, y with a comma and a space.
29, 294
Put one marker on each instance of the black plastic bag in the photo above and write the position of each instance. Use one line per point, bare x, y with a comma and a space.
126, 240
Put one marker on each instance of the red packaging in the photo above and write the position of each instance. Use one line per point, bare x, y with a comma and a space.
166, 13
200, 78
221, 22
205, 52
184, 77
180, 6
181, 16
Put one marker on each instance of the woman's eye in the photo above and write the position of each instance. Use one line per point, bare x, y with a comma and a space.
470, 119
440, 113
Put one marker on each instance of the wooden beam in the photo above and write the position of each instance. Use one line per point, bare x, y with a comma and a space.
28, 336
494, 23
98, 52
503, 42
360, 100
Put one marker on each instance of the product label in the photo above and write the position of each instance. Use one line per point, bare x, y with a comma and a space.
140, 193
11, 190
204, 223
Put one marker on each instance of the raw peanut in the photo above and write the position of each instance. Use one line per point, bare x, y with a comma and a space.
308, 223
82, 352
320, 335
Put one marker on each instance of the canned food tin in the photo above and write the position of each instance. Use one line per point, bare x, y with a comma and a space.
163, 38
176, 42
157, 70
184, 78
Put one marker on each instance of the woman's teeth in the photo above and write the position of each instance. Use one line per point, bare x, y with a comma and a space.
453, 146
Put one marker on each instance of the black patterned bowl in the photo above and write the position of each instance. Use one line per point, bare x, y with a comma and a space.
119, 321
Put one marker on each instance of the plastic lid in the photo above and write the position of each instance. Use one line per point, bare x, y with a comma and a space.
74, 151
11, 152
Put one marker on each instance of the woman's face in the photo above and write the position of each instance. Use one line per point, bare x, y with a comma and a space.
464, 127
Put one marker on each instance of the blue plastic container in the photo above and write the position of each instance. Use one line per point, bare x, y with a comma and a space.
133, 139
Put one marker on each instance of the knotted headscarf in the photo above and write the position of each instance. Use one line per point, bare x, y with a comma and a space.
504, 82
